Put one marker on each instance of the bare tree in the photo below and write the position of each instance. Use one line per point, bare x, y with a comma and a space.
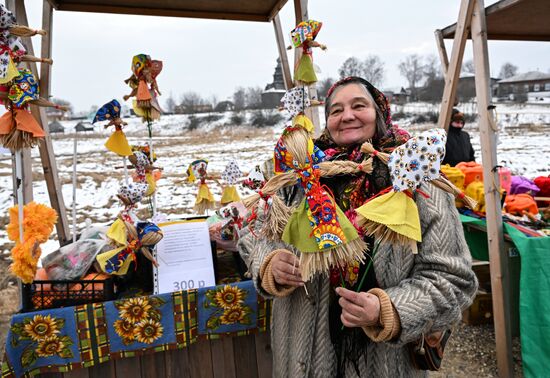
468, 67
239, 98
508, 70
189, 101
323, 86
413, 70
351, 67
253, 98
373, 70
170, 104
432, 69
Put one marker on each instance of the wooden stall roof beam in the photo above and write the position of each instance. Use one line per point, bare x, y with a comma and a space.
514, 20
497, 254
45, 147
453, 72
282, 52
241, 10
442, 52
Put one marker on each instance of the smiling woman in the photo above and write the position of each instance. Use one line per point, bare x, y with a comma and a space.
358, 319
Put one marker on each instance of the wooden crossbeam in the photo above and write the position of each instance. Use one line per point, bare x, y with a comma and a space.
453, 72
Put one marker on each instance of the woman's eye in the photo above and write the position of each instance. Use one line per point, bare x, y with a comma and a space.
335, 111
359, 106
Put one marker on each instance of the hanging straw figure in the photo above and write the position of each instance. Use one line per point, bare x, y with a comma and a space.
392, 216
255, 179
129, 240
145, 172
295, 101
303, 35
117, 142
130, 195
205, 200
143, 83
18, 128
12, 50
231, 176
38, 224
440, 182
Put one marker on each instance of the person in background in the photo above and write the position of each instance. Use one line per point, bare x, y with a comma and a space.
332, 331
458, 147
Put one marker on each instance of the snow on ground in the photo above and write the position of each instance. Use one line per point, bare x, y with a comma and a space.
523, 145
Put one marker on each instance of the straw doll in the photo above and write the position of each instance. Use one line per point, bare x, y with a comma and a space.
230, 175
204, 200
303, 36
129, 240
12, 50
318, 229
392, 215
143, 83
18, 128
117, 142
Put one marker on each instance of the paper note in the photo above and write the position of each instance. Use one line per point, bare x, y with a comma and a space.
184, 256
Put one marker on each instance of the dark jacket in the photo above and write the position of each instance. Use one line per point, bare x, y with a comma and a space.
458, 147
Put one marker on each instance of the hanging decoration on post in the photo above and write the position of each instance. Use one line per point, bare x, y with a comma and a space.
12, 50
231, 176
205, 200
143, 83
146, 172
38, 223
117, 142
303, 36
18, 128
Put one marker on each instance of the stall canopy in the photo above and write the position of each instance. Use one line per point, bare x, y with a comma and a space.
261, 10
514, 20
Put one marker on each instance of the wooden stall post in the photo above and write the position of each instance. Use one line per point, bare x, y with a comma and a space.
300, 11
282, 52
497, 254
453, 72
45, 147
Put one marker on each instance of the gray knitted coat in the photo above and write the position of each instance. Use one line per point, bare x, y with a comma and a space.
429, 290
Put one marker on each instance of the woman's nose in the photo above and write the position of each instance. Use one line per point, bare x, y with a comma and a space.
347, 114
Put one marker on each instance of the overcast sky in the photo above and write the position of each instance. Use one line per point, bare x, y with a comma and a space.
92, 52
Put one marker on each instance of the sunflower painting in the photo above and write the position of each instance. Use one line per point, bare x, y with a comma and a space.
139, 320
43, 339
228, 309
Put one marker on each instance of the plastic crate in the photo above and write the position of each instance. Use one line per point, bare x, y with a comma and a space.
54, 294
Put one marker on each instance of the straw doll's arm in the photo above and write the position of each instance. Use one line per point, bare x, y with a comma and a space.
441, 283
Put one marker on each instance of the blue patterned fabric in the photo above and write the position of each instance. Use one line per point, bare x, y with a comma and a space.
42, 338
229, 308
107, 112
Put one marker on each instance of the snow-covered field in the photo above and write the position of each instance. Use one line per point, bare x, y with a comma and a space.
523, 146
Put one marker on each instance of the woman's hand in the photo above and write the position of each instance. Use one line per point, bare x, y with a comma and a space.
358, 309
285, 267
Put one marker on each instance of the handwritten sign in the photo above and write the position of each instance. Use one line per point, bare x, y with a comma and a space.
184, 256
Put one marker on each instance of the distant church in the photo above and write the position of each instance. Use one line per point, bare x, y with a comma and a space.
273, 92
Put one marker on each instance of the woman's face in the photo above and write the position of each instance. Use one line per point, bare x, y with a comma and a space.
352, 116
